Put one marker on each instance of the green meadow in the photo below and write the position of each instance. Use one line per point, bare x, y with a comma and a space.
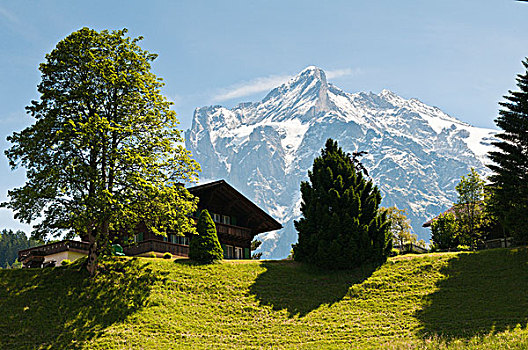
444, 300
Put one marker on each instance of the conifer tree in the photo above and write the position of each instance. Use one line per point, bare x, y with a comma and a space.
204, 246
341, 226
510, 162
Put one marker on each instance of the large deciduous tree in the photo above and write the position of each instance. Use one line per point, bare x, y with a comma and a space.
445, 232
469, 209
510, 161
400, 227
104, 153
341, 226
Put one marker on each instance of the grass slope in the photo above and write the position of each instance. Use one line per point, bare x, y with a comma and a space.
464, 300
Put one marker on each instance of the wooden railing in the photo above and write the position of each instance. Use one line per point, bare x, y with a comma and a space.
152, 245
237, 231
57, 247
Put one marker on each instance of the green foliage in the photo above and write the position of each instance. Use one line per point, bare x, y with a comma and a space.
152, 255
341, 227
509, 180
167, 255
254, 245
65, 262
10, 243
400, 227
444, 232
205, 247
104, 153
463, 248
469, 209
432, 301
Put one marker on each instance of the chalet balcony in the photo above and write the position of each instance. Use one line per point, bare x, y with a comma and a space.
235, 231
152, 245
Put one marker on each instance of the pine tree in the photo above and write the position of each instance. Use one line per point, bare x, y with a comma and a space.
341, 226
510, 162
205, 247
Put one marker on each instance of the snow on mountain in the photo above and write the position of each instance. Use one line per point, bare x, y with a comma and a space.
417, 153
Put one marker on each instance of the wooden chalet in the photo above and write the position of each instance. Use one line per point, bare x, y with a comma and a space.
238, 220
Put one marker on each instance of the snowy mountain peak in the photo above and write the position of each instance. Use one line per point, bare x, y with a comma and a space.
311, 73
417, 153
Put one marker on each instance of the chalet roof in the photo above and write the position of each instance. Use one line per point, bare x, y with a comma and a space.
429, 223
450, 210
263, 222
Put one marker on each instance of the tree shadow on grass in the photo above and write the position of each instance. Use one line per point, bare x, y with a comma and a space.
61, 308
482, 293
301, 288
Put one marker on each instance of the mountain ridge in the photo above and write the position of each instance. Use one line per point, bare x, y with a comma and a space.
416, 153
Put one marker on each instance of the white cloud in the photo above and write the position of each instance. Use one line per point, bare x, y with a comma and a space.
262, 84
24, 29
338, 73
8, 15
251, 87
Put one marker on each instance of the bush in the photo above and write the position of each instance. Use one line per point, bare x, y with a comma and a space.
167, 255
205, 247
66, 262
394, 252
152, 255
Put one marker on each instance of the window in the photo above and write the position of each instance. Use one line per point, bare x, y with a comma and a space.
138, 238
226, 220
216, 217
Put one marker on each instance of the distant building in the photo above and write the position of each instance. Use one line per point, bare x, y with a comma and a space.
237, 220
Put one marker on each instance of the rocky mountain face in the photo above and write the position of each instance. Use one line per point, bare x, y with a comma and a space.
416, 153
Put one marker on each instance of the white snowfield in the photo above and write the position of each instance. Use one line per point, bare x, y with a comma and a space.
417, 153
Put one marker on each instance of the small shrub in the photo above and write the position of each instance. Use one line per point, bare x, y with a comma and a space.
394, 252
167, 255
66, 262
205, 247
152, 255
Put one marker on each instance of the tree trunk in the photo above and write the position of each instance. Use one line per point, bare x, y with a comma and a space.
91, 262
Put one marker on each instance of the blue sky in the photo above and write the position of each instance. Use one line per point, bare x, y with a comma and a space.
460, 56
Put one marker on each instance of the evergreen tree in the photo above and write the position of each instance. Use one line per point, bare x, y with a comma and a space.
10, 243
204, 246
510, 162
341, 226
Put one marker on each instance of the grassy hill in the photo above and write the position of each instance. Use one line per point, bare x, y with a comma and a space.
451, 300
